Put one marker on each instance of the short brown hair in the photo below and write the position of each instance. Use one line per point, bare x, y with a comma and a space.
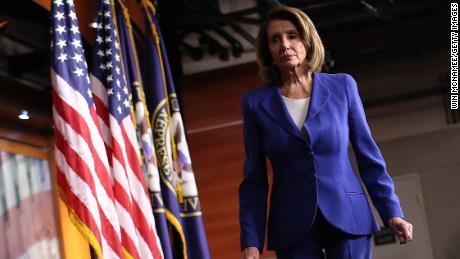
307, 30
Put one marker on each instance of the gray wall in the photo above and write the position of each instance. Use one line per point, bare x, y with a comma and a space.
418, 141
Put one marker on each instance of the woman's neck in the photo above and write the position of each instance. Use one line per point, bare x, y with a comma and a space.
296, 84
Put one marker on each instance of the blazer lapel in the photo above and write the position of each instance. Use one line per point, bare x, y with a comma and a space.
319, 96
276, 109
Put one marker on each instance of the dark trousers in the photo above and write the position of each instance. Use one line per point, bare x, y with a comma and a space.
326, 241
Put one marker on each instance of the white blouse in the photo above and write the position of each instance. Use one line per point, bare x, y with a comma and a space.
298, 109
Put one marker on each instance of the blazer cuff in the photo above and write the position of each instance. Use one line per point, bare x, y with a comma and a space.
395, 213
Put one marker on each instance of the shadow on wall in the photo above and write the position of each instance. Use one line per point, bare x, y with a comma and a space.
452, 248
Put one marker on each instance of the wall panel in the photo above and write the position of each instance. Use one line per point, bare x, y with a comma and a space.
213, 99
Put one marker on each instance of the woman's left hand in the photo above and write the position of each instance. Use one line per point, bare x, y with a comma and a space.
402, 229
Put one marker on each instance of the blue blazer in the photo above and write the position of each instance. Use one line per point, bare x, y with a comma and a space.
311, 168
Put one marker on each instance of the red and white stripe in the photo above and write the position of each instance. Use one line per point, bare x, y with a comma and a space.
123, 200
82, 166
132, 200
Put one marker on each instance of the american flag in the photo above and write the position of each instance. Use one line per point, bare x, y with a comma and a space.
114, 108
83, 172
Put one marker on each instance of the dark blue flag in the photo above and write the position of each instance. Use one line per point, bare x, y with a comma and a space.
134, 81
178, 184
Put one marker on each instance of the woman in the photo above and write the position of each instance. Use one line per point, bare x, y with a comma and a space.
303, 121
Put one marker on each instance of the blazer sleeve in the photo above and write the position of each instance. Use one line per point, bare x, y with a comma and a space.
253, 189
371, 165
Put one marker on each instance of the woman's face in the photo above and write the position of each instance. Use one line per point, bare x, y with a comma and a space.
286, 45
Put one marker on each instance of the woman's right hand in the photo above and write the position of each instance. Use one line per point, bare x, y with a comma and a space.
250, 253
